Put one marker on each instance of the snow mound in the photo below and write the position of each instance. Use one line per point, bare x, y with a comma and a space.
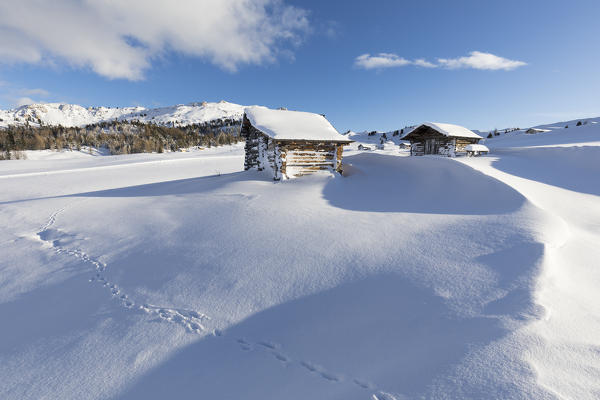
476, 147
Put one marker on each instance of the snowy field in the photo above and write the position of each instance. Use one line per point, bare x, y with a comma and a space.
178, 275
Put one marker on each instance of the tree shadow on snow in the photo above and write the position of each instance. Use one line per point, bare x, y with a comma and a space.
378, 334
176, 187
166, 188
432, 185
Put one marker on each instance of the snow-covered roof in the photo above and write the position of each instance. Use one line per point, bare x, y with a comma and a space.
448, 130
476, 147
293, 125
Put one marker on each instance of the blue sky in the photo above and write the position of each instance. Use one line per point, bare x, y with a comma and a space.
305, 55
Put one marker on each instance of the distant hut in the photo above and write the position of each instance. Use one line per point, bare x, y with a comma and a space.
536, 130
443, 139
290, 143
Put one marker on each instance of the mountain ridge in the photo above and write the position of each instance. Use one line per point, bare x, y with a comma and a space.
73, 115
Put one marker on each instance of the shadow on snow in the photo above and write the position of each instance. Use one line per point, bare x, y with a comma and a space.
379, 329
432, 185
166, 188
571, 168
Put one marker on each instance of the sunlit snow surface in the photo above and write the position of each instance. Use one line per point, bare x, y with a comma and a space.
176, 275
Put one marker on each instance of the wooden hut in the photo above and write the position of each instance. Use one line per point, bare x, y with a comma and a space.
536, 130
443, 139
290, 143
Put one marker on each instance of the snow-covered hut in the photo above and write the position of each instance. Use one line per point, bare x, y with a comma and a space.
290, 143
437, 138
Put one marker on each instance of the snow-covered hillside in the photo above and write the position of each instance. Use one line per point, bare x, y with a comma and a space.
553, 135
70, 115
153, 276
371, 140
571, 123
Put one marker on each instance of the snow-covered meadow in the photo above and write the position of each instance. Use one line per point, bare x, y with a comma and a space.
180, 275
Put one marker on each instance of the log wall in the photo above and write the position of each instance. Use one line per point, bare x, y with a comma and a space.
288, 159
429, 141
302, 157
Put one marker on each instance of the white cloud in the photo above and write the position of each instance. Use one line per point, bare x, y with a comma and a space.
14, 96
121, 39
24, 101
424, 63
476, 60
479, 60
331, 29
381, 60
34, 92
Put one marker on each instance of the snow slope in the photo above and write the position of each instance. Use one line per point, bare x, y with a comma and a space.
74, 115
149, 276
559, 175
571, 123
559, 136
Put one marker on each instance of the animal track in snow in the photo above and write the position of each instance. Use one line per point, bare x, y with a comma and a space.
321, 372
191, 320
280, 357
268, 345
362, 384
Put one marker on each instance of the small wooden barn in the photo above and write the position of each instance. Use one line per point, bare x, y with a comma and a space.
536, 130
443, 139
290, 143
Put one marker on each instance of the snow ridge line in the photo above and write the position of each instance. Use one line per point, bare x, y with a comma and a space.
549, 267
193, 321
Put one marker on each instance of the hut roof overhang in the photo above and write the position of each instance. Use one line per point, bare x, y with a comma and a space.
285, 125
448, 130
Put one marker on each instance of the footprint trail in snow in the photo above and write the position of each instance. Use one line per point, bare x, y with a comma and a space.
193, 321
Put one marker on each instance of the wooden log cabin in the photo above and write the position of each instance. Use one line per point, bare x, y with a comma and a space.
442, 139
290, 143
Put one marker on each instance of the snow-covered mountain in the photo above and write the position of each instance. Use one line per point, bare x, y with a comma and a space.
70, 115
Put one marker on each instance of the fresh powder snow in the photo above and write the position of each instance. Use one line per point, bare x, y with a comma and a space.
149, 276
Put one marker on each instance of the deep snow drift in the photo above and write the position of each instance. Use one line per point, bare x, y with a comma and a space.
178, 274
